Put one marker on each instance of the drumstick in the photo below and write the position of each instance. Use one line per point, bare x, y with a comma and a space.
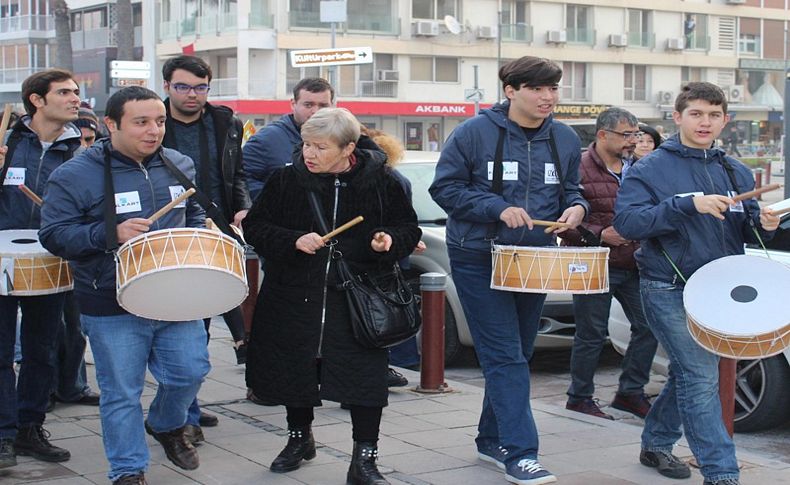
4, 125
781, 211
347, 225
755, 192
164, 210
31, 195
538, 222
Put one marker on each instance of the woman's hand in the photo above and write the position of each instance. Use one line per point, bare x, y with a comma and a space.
310, 243
382, 242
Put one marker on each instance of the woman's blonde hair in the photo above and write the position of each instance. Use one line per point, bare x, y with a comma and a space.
337, 124
391, 145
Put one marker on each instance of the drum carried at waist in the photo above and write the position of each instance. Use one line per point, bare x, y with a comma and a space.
736, 308
27, 269
566, 270
180, 274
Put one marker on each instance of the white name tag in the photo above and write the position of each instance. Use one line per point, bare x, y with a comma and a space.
509, 170
577, 268
175, 191
126, 202
738, 207
550, 174
15, 176
693, 194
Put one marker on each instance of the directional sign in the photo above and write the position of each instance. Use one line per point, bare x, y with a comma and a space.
474, 95
134, 65
122, 83
332, 57
129, 74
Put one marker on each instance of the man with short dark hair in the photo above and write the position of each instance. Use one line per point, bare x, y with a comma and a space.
78, 225
37, 144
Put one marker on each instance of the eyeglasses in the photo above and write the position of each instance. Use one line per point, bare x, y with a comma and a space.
627, 135
182, 88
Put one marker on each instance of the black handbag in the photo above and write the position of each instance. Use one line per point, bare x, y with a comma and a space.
383, 309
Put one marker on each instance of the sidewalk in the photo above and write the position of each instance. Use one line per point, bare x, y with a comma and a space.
425, 439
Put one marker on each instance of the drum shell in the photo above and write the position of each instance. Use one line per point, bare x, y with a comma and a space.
35, 271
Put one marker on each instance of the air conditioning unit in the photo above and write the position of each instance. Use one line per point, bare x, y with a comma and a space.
666, 97
556, 36
426, 28
618, 40
735, 2
735, 93
384, 75
486, 32
675, 44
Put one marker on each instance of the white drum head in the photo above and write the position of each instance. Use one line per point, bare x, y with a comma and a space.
21, 243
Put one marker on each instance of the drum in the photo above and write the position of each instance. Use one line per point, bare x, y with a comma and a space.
566, 270
735, 307
27, 269
180, 274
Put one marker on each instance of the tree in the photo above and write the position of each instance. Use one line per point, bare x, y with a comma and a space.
123, 12
63, 58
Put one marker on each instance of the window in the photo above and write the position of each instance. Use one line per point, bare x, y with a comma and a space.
434, 69
635, 82
639, 28
137, 14
515, 21
433, 9
578, 19
695, 31
574, 81
690, 74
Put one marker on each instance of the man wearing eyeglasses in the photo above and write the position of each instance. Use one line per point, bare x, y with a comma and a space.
602, 169
211, 136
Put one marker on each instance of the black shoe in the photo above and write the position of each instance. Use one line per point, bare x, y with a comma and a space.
207, 420
345, 406
7, 453
241, 354
363, 470
177, 447
194, 434
138, 479
260, 402
301, 446
396, 379
668, 464
90, 398
32, 440
50, 403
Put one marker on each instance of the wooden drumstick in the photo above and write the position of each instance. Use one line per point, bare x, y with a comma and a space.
347, 225
538, 222
756, 192
31, 195
4, 125
164, 210
781, 211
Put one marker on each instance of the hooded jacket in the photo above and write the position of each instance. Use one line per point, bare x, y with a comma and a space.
656, 205
72, 218
31, 166
462, 184
268, 150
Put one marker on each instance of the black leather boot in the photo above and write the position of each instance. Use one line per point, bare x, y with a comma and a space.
301, 446
363, 470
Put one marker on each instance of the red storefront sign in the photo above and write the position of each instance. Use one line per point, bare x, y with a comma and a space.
360, 108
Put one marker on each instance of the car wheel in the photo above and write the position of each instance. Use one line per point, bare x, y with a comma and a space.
762, 396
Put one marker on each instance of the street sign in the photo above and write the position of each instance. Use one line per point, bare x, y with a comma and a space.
134, 65
474, 95
122, 83
129, 74
332, 57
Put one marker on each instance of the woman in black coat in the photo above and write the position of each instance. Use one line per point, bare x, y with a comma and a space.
302, 348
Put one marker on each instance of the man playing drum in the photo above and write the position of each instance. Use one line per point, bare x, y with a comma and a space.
678, 202
41, 141
539, 178
129, 172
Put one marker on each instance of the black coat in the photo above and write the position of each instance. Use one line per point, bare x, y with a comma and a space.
287, 336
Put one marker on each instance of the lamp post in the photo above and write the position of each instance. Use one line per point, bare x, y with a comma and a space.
498, 48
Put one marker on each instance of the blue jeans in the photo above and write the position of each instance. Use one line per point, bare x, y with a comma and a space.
504, 326
591, 313
691, 395
71, 382
176, 355
24, 401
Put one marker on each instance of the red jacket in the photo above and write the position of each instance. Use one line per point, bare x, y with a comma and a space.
599, 188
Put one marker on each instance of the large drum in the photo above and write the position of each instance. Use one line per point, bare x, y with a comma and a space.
180, 274
27, 269
736, 307
567, 270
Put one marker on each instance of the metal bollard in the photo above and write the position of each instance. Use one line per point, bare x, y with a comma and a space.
758, 180
727, 371
252, 265
432, 286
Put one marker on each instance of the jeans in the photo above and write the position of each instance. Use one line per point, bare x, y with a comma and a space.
24, 400
176, 355
71, 382
691, 395
504, 326
591, 313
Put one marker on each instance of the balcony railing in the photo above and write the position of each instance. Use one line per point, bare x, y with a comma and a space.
261, 20
100, 38
358, 23
516, 32
205, 25
224, 87
378, 89
751, 48
635, 94
581, 36
575, 93
9, 76
641, 39
698, 42
21, 23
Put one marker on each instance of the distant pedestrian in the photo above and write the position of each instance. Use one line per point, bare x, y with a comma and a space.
649, 141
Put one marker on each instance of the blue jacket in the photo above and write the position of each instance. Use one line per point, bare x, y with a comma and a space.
268, 150
654, 206
30, 166
462, 184
72, 218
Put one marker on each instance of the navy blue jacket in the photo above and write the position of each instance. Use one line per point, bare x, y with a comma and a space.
268, 150
462, 184
654, 206
72, 218
16, 210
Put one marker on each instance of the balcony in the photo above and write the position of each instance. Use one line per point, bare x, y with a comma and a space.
581, 36
101, 38
225, 87
22, 23
261, 20
576, 93
641, 39
383, 24
16, 76
635, 94
198, 26
750, 47
378, 89
516, 33
698, 42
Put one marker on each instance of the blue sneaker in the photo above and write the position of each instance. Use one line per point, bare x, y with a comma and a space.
528, 472
493, 453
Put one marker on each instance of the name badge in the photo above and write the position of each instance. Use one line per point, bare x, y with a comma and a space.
550, 174
15, 176
693, 194
126, 202
738, 206
175, 191
509, 170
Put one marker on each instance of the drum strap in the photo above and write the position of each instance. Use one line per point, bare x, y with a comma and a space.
731, 175
13, 141
110, 219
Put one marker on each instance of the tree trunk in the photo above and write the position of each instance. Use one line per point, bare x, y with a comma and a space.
123, 12
63, 58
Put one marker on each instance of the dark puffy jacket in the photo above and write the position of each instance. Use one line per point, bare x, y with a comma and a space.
268, 150
72, 218
655, 206
462, 185
599, 188
228, 132
16, 210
